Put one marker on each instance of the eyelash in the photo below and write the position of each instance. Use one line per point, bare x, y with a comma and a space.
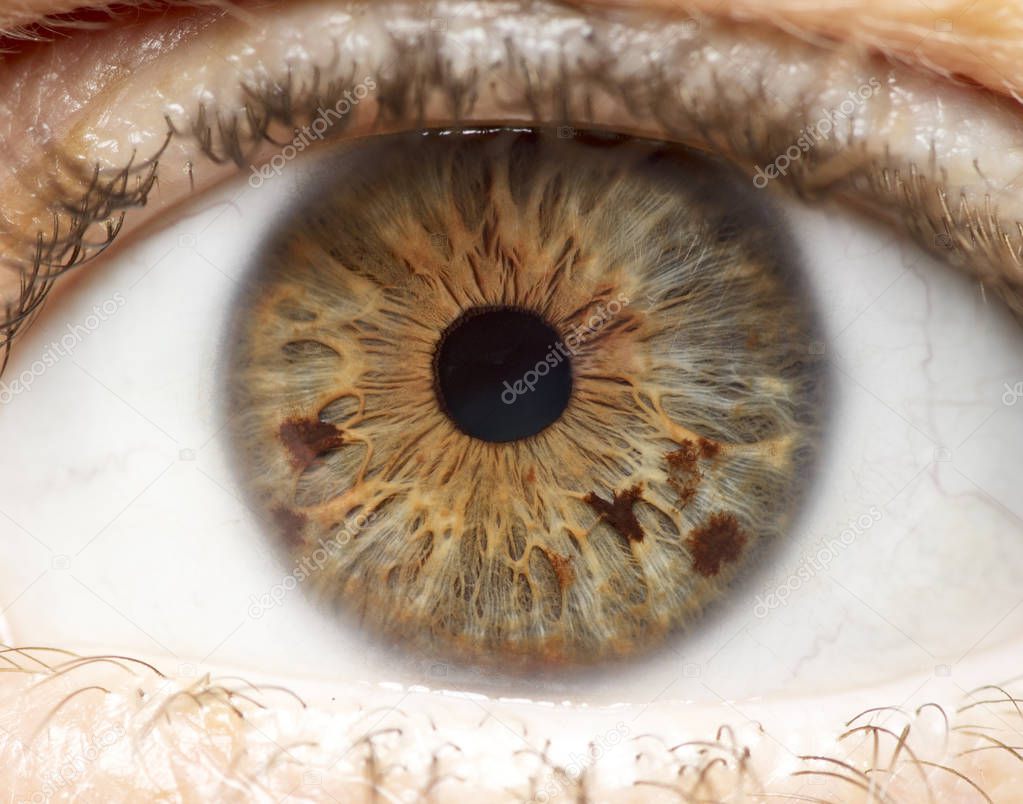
88, 210
889, 751
101, 204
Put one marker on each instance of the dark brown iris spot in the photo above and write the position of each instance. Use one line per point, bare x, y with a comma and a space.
306, 440
719, 541
709, 449
618, 512
684, 473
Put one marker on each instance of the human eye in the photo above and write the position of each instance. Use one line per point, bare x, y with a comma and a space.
800, 425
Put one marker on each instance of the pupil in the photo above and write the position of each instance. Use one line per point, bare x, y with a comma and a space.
500, 374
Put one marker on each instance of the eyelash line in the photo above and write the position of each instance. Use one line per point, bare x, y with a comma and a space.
971, 237
103, 202
723, 762
918, 195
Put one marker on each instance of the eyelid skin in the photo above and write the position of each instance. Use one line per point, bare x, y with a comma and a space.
979, 41
120, 729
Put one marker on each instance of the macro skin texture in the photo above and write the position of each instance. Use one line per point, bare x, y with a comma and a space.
694, 413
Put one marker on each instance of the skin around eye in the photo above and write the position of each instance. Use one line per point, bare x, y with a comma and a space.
679, 446
976, 41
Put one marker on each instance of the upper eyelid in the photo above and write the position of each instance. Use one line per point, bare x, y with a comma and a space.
977, 41
925, 185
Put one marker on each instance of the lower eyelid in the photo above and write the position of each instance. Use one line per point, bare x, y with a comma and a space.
118, 725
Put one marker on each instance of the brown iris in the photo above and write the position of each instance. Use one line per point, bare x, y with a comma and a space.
537, 400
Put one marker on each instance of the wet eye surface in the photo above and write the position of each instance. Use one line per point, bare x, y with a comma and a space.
518, 398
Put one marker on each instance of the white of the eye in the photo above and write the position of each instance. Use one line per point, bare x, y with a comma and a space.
125, 527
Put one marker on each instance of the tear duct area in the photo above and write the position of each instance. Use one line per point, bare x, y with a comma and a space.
634, 298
